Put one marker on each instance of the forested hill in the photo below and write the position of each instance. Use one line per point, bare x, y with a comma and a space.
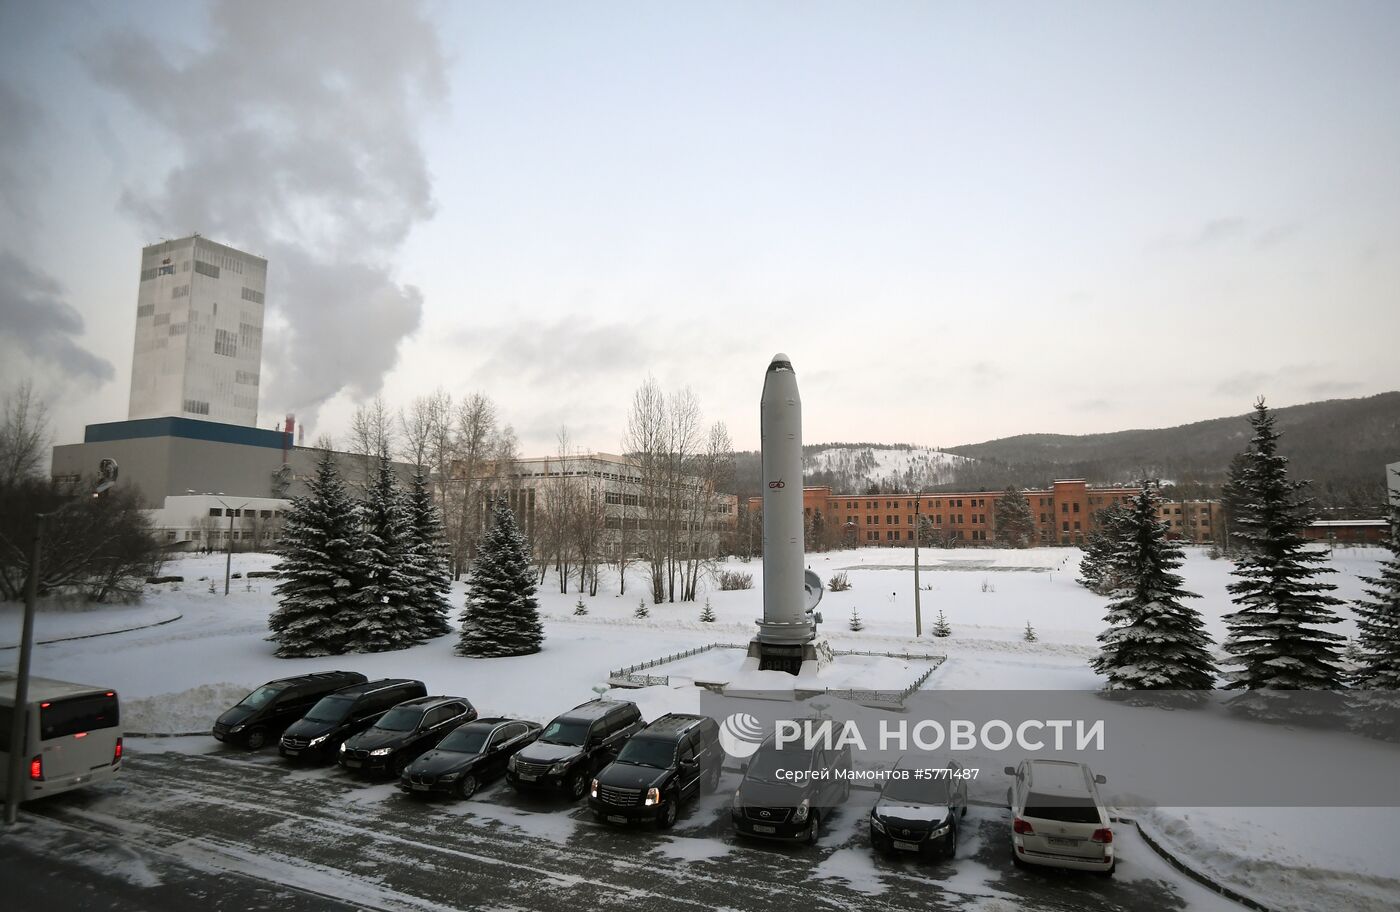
1342, 445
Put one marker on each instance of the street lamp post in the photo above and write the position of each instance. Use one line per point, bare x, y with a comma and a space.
918, 612
228, 558
19, 711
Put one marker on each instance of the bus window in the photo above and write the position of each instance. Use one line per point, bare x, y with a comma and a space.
60, 718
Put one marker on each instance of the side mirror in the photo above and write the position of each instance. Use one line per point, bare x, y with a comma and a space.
1100, 779
744, 766
1009, 770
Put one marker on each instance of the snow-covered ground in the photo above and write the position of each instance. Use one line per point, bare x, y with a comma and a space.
179, 676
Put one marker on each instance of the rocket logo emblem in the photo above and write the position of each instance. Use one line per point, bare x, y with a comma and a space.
740, 735
775, 485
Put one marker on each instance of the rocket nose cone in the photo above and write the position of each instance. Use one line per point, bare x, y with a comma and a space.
780, 362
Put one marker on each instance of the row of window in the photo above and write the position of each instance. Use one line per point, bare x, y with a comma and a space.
262, 514
250, 295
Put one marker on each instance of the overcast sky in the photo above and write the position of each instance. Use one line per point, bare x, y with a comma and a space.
962, 221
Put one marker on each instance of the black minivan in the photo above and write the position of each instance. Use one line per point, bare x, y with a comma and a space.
349, 711
669, 762
266, 712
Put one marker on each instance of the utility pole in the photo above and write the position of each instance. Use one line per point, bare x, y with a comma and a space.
918, 613
228, 559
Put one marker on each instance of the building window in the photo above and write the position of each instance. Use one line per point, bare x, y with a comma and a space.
1076, 506
207, 269
1064, 526
196, 406
216, 511
145, 310
250, 295
225, 343
1076, 525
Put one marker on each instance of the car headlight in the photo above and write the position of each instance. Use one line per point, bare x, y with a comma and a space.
593, 789
738, 800
941, 830
876, 825
315, 741
237, 728
802, 811
449, 777
653, 797
559, 768
510, 764
381, 752
342, 747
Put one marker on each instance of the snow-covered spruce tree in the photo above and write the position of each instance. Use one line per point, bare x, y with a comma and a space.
426, 563
1153, 641
1015, 523
1097, 569
642, 611
318, 569
1378, 618
855, 623
1029, 636
941, 627
707, 614
580, 608
1274, 635
501, 617
384, 615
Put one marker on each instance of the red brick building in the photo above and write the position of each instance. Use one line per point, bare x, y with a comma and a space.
1063, 514
1349, 531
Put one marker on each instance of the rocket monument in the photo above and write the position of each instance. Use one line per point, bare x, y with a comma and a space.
787, 632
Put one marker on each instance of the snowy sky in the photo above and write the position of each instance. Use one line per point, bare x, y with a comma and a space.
962, 221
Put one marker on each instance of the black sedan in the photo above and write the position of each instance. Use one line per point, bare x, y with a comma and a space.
470, 755
920, 810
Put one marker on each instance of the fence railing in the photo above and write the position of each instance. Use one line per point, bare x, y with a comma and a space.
628, 675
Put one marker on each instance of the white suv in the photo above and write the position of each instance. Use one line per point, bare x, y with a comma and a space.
1057, 817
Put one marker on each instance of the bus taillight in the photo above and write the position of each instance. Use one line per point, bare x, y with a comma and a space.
36, 769
117, 753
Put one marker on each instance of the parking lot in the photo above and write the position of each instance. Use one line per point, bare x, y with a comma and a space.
249, 824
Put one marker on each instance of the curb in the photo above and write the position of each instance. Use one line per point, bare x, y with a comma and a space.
93, 636
1204, 880
132, 734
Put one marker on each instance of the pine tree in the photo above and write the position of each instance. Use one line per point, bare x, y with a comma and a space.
642, 611
385, 617
580, 608
855, 623
1153, 641
1015, 523
1273, 636
1029, 636
502, 617
1378, 618
1098, 571
318, 570
941, 627
707, 614
426, 562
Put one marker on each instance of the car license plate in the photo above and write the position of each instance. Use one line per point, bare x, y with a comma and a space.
420, 786
616, 818
526, 777
906, 846
1057, 841
352, 764
762, 828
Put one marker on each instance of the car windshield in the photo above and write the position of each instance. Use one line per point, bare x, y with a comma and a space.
399, 719
331, 709
465, 740
260, 697
917, 791
1061, 809
567, 732
771, 764
648, 752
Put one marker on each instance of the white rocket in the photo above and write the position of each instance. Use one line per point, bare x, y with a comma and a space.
790, 591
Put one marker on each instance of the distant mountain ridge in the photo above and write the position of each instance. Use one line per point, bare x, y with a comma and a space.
1341, 445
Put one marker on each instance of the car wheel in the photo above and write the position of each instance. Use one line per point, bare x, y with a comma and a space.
467, 787
256, 739
963, 813
578, 785
712, 780
1111, 868
667, 818
1016, 858
814, 830
952, 851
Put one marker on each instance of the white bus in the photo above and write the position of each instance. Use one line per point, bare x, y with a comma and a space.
73, 736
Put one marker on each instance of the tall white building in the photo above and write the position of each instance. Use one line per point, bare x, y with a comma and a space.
199, 324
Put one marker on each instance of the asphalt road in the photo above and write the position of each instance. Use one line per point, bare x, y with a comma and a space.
231, 830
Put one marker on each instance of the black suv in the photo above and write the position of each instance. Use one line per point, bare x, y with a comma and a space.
350, 710
404, 732
267, 711
787, 792
668, 762
575, 746
470, 755
919, 809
